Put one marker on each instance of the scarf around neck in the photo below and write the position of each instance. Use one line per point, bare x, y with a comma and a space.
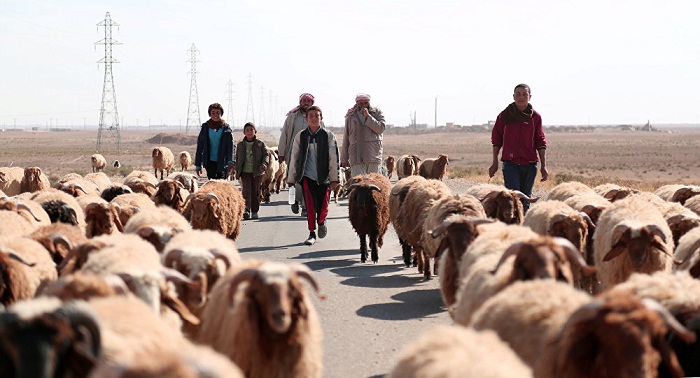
216, 125
513, 114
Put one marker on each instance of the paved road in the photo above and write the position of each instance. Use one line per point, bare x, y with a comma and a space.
372, 310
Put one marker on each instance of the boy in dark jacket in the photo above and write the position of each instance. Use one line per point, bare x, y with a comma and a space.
214, 145
252, 160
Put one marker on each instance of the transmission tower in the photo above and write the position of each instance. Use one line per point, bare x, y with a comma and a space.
229, 99
249, 112
193, 119
263, 121
109, 117
271, 118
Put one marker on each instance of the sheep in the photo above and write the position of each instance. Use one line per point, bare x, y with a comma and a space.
185, 160
157, 226
85, 286
368, 209
679, 218
218, 205
47, 338
129, 204
688, 253
390, 163
30, 210
138, 263
203, 256
58, 239
271, 315
102, 219
11, 180
501, 203
434, 168
280, 179
693, 204
413, 212
396, 201
86, 200
542, 257
269, 176
34, 180
61, 207
614, 192
345, 178
188, 180
556, 218
163, 160
26, 268
453, 352
78, 187
568, 189
98, 163
137, 175
117, 164
592, 204
100, 179
407, 165
631, 236
11, 223
677, 193
679, 294
67, 177
114, 190
170, 193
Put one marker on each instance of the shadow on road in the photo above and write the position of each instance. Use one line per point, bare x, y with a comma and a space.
328, 264
430, 303
327, 253
268, 248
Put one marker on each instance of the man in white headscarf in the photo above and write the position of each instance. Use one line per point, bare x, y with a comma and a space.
293, 124
363, 137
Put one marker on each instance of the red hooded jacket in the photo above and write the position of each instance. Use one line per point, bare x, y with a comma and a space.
519, 140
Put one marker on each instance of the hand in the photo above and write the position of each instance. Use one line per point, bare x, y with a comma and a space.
544, 173
334, 184
280, 158
199, 172
493, 169
290, 184
365, 112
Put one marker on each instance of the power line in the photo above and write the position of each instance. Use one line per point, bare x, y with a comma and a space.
250, 113
109, 116
229, 99
193, 118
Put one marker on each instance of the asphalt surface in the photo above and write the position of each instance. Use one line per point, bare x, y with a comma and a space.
371, 311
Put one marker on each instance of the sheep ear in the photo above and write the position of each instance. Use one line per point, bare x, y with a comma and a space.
245, 275
176, 305
117, 220
618, 233
512, 250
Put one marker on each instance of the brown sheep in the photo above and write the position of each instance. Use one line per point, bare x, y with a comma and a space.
25, 268
157, 226
163, 160
102, 219
185, 160
218, 205
98, 162
390, 163
407, 165
614, 192
368, 206
396, 201
59, 238
170, 193
129, 204
264, 306
434, 168
280, 178
501, 203
11, 180
30, 210
34, 180
85, 286
268, 178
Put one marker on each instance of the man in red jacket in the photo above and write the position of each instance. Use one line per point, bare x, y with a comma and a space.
518, 130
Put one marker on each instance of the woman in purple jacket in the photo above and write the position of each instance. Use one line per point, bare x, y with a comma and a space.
518, 130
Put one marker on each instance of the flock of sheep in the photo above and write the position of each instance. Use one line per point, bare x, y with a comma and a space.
589, 282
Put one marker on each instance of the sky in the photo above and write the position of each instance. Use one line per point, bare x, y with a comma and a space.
588, 63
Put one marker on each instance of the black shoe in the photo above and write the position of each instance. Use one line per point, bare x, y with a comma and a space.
303, 212
322, 230
246, 215
255, 216
311, 240
295, 208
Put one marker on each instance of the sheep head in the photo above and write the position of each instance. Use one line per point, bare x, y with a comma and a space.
204, 207
680, 224
157, 153
57, 245
361, 194
102, 219
593, 212
169, 193
159, 236
59, 211
20, 208
141, 186
574, 228
617, 336
85, 286
205, 271
68, 340
638, 242
32, 180
275, 290
683, 194
458, 235
11, 289
503, 205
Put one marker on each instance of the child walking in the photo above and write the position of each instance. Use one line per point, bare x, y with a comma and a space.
251, 162
314, 164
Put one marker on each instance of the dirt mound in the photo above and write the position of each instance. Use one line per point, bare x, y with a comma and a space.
179, 138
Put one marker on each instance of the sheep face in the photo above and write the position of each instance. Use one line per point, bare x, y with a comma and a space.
680, 225
60, 212
32, 180
684, 194
572, 228
542, 260
102, 219
640, 244
203, 208
168, 194
504, 206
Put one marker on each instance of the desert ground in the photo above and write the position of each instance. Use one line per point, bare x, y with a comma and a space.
643, 160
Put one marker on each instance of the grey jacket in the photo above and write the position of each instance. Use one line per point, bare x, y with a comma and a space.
363, 143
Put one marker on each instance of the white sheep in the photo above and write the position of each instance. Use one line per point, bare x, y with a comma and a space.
61, 207
185, 160
458, 352
130, 204
272, 316
407, 165
397, 198
614, 192
693, 204
677, 193
568, 189
163, 160
268, 177
11, 180
688, 252
501, 203
631, 236
26, 267
157, 226
679, 218
98, 162
79, 187
30, 210
100, 179
188, 180
12, 223
590, 203
434, 168
58, 239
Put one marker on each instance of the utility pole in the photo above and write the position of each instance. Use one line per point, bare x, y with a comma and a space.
436, 97
263, 121
229, 99
109, 116
249, 112
193, 118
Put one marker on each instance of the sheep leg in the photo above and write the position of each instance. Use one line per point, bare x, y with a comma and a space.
363, 249
406, 249
426, 264
419, 256
373, 246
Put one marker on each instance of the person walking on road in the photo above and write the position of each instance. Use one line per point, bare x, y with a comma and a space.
214, 145
293, 125
252, 160
314, 165
518, 130
363, 137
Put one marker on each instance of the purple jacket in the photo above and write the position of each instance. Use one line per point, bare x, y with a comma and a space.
519, 140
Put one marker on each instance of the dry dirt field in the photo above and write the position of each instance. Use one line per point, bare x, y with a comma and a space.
644, 160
